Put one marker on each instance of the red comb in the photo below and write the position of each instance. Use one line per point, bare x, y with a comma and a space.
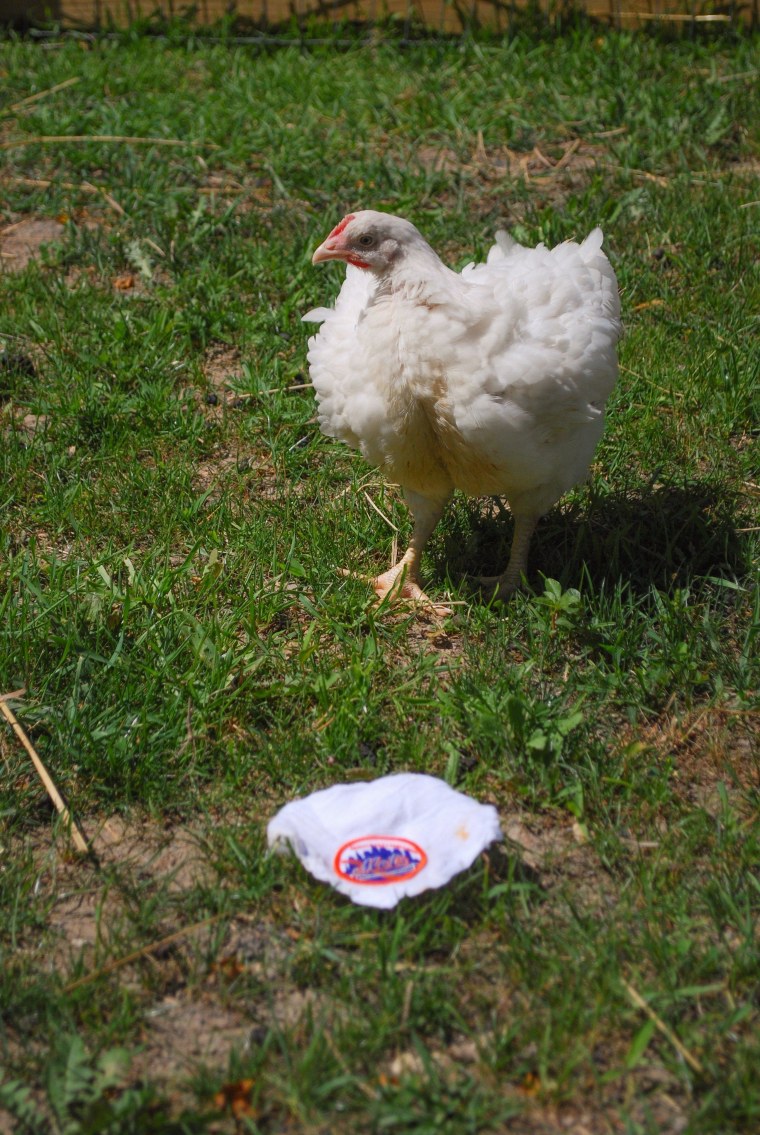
340, 227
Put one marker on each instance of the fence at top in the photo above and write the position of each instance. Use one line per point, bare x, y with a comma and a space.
446, 16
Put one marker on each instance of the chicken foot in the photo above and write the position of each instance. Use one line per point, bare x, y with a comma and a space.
502, 586
401, 581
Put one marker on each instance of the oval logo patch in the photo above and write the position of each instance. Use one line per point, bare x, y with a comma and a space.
377, 859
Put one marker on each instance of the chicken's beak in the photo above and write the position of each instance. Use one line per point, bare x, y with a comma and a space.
327, 251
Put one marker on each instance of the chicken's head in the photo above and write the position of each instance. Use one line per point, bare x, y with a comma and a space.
368, 239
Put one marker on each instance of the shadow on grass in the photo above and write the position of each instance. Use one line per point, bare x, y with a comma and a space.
497, 873
661, 536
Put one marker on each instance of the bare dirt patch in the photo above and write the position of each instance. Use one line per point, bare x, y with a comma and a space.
204, 993
221, 365
713, 751
222, 371
28, 425
553, 172
556, 853
237, 468
25, 240
249, 475
243, 994
179, 1033
573, 157
426, 634
87, 911
651, 1093
215, 473
173, 856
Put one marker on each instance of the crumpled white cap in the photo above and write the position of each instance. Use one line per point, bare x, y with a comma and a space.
382, 840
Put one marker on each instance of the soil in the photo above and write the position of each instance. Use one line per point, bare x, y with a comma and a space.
25, 240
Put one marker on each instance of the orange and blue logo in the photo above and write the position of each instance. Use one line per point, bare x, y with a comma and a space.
377, 859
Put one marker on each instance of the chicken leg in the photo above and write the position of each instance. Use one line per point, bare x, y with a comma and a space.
402, 580
502, 586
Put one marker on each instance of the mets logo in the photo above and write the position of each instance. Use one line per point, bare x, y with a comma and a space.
378, 859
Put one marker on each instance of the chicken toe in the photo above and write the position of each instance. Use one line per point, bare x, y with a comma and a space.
399, 583
395, 584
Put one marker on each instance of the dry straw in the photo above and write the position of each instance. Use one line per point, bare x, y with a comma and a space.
71, 825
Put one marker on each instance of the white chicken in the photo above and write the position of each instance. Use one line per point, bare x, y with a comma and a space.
492, 381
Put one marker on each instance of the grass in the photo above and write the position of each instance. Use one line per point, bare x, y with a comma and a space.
172, 522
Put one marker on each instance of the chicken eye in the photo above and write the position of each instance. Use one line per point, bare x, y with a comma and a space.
365, 240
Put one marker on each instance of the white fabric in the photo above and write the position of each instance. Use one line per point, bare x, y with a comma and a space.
411, 828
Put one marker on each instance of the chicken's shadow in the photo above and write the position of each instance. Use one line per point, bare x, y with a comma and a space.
660, 536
